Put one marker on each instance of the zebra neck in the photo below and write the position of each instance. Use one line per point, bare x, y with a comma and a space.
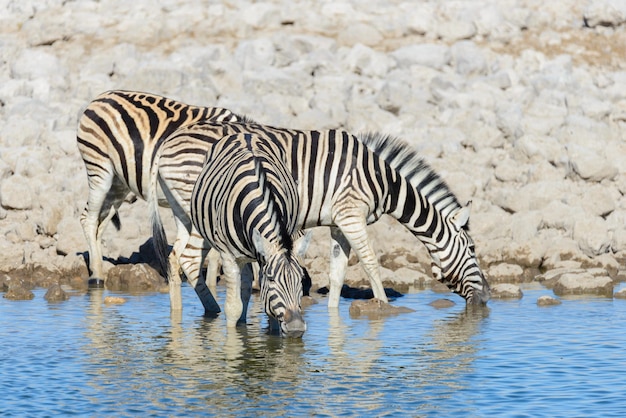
421, 207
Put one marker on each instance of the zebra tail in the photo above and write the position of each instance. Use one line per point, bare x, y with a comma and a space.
116, 221
159, 238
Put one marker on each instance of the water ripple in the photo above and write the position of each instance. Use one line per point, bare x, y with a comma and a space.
84, 358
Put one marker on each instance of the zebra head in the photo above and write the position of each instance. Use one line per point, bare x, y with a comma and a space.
454, 259
281, 279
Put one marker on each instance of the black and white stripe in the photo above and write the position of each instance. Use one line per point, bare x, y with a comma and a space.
118, 135
245, 204
347, 183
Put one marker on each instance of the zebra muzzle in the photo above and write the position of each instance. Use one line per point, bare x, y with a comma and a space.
293, 324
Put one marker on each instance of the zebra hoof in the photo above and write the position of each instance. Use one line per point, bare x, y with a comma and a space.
95, 283
211, 314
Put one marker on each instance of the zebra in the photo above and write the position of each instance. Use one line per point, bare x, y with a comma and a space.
245, 204
118, 134
345, 182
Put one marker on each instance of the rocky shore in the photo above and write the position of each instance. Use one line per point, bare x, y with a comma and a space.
520, 105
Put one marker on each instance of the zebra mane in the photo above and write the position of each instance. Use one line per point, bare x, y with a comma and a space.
240, 118
275, 213
406, 161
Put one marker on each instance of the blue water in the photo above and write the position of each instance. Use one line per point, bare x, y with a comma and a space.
514, 359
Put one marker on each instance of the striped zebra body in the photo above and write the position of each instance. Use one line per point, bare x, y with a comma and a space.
346, 183
118, 135
245, 204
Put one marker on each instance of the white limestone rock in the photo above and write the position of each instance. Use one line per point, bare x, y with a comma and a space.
506, 291
468, 59
605, 13
364, 60
16, 193
548, 301
429, 55
583, 283
590, 165
592, 235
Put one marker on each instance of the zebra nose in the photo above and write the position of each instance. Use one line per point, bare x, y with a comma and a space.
482, 296
293, 324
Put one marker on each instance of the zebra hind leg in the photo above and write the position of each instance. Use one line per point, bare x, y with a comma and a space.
339, 254
353, 227
174, 280
102, 205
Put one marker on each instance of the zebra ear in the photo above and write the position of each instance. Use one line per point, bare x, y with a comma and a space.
301, 245
461, 217
261, 244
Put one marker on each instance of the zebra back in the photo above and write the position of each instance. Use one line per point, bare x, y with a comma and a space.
120, 131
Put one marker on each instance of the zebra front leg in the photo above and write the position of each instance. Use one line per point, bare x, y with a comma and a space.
247, 276
354, 227
232, 275
191, 261
339, 254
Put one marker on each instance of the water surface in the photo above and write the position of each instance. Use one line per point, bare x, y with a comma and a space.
84, 358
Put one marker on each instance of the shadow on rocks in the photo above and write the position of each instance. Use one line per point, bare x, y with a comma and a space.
356, 293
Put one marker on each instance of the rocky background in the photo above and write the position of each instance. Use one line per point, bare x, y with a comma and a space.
520, 105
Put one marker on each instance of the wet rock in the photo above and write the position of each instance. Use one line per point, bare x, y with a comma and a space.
620, 294
376, 307
307, 301
442, 303
19, 292
547, 301
5, 282
550, 277
506, 291
439, 287
114, 300
404, 279
134, 277
36, 275
78, 283
583, 283
55, 294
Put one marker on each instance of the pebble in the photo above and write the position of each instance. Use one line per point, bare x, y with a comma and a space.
547, 301
114, 300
